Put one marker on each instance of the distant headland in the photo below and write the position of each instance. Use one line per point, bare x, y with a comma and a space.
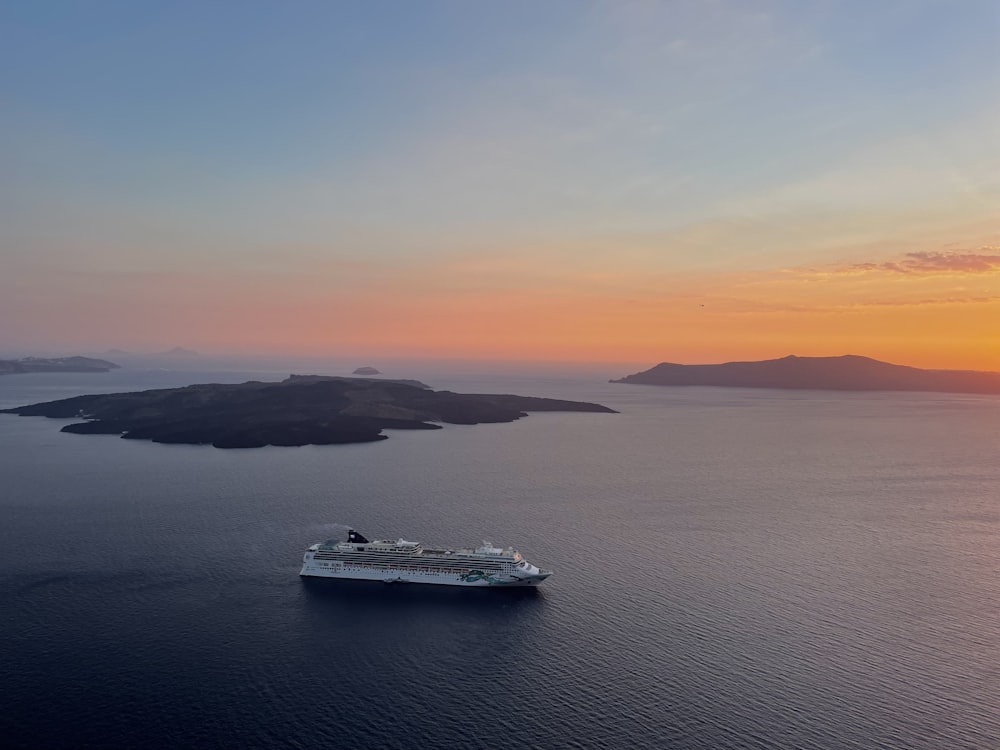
301, 410
846, 373
55, 364
177, 351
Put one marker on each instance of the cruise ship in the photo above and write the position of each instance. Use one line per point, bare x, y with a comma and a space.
350, 555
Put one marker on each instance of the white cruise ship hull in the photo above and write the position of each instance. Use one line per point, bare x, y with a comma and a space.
400, 576
400, 561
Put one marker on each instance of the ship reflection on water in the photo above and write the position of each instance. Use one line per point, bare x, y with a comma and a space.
376, 594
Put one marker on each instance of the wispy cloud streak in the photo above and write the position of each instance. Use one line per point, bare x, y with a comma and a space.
936, 263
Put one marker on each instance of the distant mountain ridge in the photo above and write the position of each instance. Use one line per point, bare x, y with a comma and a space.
177, 351
849, 372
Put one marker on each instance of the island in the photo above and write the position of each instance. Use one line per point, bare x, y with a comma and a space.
300, 410
55, 364
849, 372
366, 371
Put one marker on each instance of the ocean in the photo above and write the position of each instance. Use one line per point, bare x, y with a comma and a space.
734, 568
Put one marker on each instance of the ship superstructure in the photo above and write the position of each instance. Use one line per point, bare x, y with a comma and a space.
351, 555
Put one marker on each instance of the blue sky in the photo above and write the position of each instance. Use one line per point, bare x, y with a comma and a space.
307, 138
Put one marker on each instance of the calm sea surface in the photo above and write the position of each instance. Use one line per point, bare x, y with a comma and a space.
733, 569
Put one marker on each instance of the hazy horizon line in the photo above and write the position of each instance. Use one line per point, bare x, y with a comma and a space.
388, 359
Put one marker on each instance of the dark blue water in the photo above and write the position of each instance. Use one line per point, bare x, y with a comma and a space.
734, 569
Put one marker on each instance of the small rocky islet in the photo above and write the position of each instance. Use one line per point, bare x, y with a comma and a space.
300, 410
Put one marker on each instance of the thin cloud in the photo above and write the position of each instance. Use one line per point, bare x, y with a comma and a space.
935, 263
755, 307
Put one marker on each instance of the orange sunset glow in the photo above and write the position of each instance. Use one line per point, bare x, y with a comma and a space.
937, 310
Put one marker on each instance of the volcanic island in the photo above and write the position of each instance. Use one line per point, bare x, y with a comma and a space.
848, 372
55, 364
300, 410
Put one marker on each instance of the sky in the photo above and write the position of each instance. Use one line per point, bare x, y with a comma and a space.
686, 181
